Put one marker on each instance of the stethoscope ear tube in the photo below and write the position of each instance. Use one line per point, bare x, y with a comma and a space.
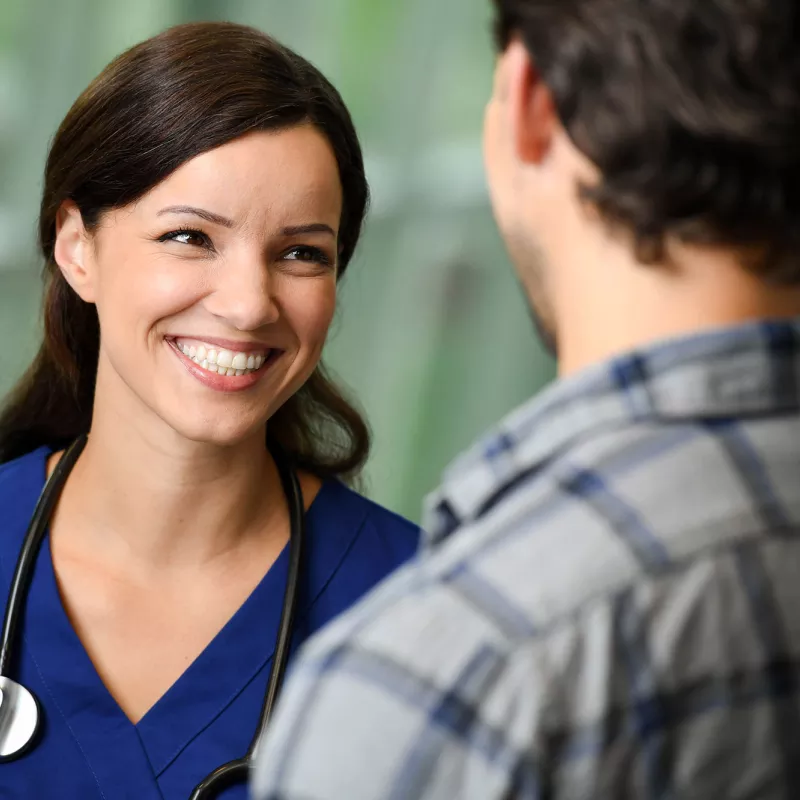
280, 658
37, 528
238, 771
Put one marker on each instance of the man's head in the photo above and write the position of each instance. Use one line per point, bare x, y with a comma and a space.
638, 150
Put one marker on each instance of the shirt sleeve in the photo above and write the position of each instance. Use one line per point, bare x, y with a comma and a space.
682, 685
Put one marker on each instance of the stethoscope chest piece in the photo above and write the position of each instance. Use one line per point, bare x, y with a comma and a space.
19, 718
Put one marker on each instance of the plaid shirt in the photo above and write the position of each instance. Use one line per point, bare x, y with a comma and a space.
608, 605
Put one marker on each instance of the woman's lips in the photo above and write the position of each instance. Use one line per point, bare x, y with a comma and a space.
223, 369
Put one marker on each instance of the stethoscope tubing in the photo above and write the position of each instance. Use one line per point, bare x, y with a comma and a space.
37, 528
238, 771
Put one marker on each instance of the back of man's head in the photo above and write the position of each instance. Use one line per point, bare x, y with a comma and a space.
687, 111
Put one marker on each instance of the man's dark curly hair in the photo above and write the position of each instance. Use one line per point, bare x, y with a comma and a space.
690, 109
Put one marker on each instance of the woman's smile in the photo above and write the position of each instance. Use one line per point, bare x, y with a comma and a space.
227, 368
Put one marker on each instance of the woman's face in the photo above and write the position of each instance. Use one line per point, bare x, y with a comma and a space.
215, 290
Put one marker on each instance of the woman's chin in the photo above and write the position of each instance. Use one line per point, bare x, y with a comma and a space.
218, 434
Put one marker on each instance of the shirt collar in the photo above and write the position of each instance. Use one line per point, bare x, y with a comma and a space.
752, 369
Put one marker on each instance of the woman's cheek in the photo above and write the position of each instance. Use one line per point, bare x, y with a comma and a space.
155, 289
308, 306
321, 316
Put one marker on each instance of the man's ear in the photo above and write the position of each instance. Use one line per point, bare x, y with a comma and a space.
72, 251
533, 115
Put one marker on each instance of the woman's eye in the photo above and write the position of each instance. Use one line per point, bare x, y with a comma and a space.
192, 238
311, 255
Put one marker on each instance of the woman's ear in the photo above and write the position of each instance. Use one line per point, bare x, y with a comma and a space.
73, 252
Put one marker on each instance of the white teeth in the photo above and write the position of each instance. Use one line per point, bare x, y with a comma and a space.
222, 362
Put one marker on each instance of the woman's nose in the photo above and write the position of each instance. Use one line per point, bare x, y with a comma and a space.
244, 294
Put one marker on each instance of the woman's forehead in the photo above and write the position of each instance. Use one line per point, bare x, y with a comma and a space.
265, 176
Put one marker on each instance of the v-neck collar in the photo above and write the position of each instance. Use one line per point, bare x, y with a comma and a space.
236, 655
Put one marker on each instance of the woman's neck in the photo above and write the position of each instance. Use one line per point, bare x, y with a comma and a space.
157, 501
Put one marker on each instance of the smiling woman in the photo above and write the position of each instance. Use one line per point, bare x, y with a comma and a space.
151, 111
202, 199
248, 271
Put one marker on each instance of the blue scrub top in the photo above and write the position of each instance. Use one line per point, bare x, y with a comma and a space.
87, 747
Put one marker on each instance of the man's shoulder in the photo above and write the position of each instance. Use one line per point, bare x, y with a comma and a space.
449, 656
632, 507
622, 506
641, 585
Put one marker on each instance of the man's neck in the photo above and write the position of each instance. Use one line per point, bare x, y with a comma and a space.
610, 304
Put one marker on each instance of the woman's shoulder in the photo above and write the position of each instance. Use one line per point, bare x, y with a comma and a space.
371, 521
353, 544
23, 475
21, 482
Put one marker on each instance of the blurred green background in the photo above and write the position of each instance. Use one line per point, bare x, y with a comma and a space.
432, 336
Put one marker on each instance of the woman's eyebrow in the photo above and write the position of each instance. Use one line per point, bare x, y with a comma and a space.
218, 219
316, 227
208, 216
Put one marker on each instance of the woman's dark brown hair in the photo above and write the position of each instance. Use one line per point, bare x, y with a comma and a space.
161, 103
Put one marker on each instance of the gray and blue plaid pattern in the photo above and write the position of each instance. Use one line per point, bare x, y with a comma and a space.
608, 604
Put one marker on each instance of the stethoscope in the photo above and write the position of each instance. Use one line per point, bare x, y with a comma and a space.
19, 709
